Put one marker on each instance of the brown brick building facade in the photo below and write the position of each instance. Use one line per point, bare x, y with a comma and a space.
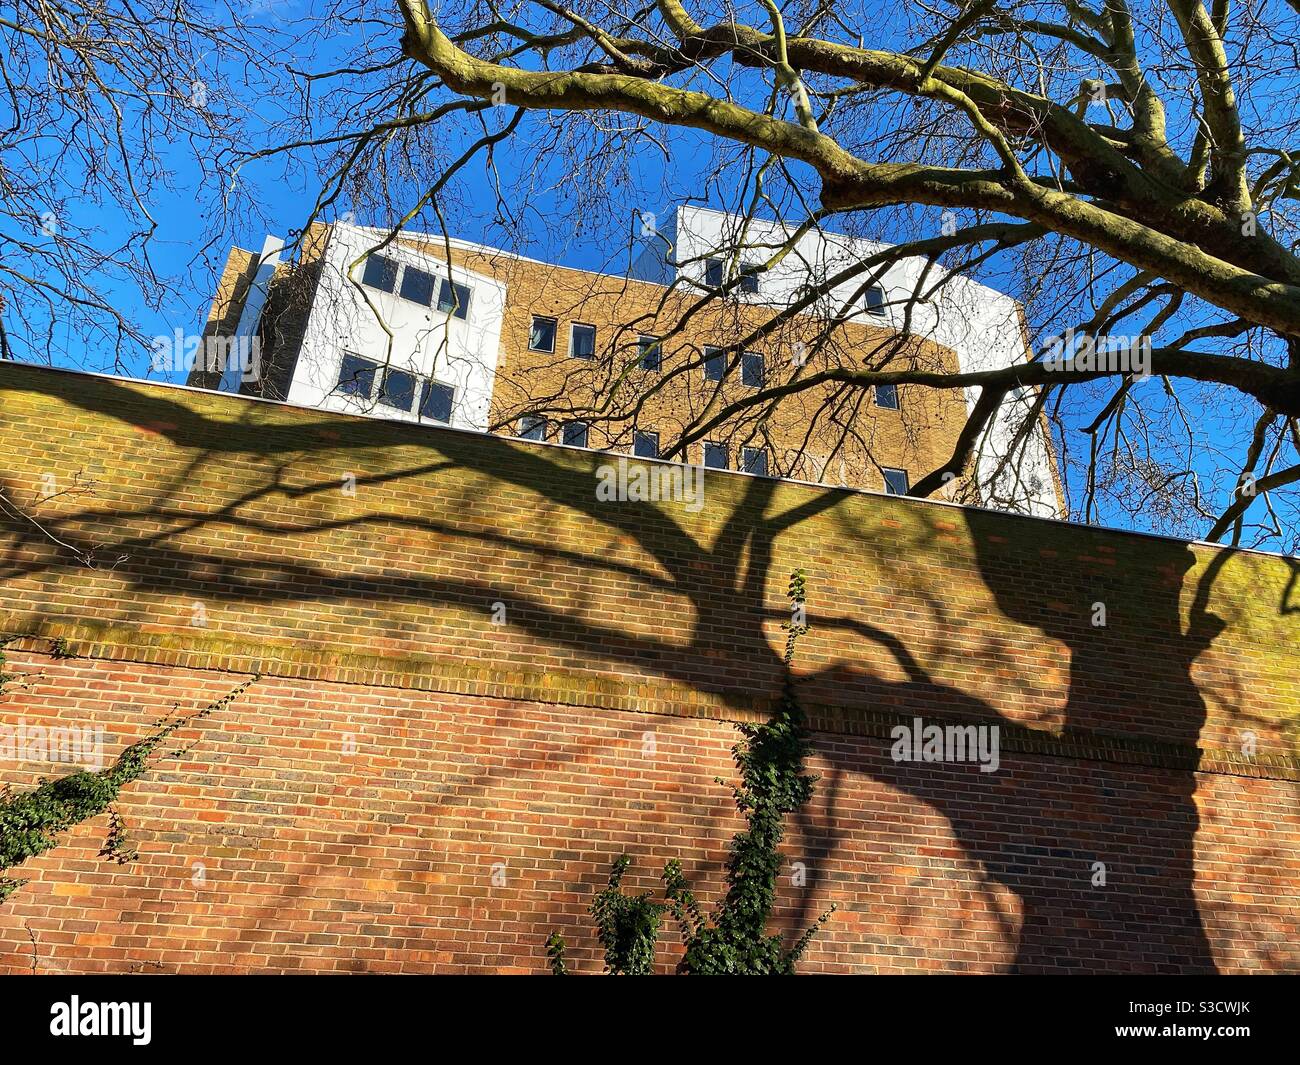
478, 685
824, 435
832, 434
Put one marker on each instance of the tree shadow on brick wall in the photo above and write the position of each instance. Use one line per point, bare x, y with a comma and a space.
1038, 827
1100, 855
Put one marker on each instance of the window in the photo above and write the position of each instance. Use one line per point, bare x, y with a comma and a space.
380, 273
532, 428
541, 334
895, 481
751, 369
650, 353
398, 390
436, 402
645, 445
715, 273
715, 363
582, 341
875, 301
887, 396
754, 460
417, 286
715, 456
357, 376
453, 299
574, 434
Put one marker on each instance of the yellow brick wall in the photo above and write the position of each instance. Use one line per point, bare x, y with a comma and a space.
831, 434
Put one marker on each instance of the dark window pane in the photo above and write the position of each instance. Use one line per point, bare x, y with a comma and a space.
751, 369
749, 279
357, 376
582, 342
398, 390
715, 456
380, 273
574, 434
532, 428
876, 300
714, 364
453, 298
541, 335
713, 273
895, 482
754, 460
650, 355
417, 286
436, 402
646, 445
887, 396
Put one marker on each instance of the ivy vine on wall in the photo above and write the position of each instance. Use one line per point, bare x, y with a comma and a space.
31, 821
734, 940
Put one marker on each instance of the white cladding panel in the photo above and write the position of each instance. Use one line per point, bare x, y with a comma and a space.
394, 331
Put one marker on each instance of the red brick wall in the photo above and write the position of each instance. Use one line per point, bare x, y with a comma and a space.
348, 810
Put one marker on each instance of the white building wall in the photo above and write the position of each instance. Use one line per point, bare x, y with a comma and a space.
980, 325
462, 353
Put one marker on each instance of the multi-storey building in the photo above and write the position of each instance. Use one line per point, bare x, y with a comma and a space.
711, 313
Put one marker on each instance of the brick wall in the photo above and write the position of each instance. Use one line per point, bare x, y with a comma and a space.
411, 786
806, 435
227, 304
